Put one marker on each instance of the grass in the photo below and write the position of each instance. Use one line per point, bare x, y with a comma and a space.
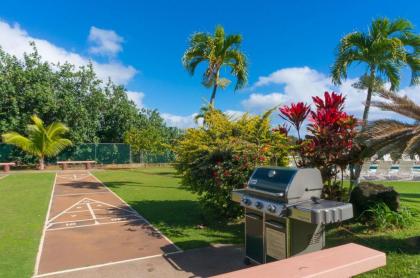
24, 200
401, 246
156, 194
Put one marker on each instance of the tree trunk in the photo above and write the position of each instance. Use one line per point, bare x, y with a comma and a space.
368, 98
213, 94
357, 167
41, 163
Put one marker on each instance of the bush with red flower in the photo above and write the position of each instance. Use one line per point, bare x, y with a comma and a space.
329, 141
220, 156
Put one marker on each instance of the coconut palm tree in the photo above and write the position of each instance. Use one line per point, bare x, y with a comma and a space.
385, 48
218, 50
41, 141
405, 136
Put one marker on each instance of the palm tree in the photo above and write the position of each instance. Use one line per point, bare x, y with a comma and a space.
217, 50
385, 48
41, 141
383, 133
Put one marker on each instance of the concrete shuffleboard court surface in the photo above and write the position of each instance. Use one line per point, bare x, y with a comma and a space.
88, 225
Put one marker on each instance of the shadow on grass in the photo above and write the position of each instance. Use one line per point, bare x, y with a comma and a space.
410, 197
385, 243
182, 221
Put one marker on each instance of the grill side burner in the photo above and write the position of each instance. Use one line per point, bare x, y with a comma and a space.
284, 215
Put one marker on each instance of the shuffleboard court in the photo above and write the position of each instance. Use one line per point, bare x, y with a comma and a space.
87, 225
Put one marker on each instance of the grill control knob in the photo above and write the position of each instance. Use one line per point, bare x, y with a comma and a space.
246, 201
271, 208
259, 205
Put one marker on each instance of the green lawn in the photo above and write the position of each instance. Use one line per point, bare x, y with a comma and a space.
156, 194
24, 202
403, 251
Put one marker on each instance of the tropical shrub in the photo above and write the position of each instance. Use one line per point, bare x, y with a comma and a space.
42, 141
219, 156
379, 216
328, 143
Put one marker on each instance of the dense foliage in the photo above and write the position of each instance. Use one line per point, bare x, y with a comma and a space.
328, 144
151, 136
93, 111
220, 156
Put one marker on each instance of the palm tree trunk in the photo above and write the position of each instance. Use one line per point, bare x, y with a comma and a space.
355, 174
213, 95
41, 163
368, 98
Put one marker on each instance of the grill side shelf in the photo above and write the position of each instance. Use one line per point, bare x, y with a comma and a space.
324, 212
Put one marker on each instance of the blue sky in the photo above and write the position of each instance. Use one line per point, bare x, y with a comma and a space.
289, 44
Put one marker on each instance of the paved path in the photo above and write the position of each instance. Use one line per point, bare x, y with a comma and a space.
88, 225
203, 262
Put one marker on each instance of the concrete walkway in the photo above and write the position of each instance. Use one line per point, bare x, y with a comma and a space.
203, 262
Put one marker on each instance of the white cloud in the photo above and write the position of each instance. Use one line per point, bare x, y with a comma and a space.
136, 97
259, 102
180, 121
234, 114
105, 42
300, 84
15, 40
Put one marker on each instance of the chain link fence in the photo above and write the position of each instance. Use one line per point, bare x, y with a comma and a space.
102, 153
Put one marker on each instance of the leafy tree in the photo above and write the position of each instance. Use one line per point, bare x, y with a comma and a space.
94, 111
385, 48
221, 155
151, 135
218, 50
41, 141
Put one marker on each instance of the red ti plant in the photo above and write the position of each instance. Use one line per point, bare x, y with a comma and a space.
295, 114
329, 140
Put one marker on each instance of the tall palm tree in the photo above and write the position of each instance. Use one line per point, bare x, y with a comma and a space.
41, 141
385, 48
217, 51
387, 132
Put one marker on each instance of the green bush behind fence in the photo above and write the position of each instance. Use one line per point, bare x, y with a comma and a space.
102, 153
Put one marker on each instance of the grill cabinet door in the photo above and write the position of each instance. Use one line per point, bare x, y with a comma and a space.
275, 241
254, 245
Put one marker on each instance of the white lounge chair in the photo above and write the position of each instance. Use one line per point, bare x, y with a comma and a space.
382, 172
405, 171
366, 173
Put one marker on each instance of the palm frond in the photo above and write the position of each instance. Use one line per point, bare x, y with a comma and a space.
385, 132
20, 141
414, 143
41, 141
56, 146
398, 104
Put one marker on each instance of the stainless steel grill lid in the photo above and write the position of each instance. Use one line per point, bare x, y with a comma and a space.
290, 185
273, 180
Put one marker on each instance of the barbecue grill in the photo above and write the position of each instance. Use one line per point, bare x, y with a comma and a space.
284, 215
